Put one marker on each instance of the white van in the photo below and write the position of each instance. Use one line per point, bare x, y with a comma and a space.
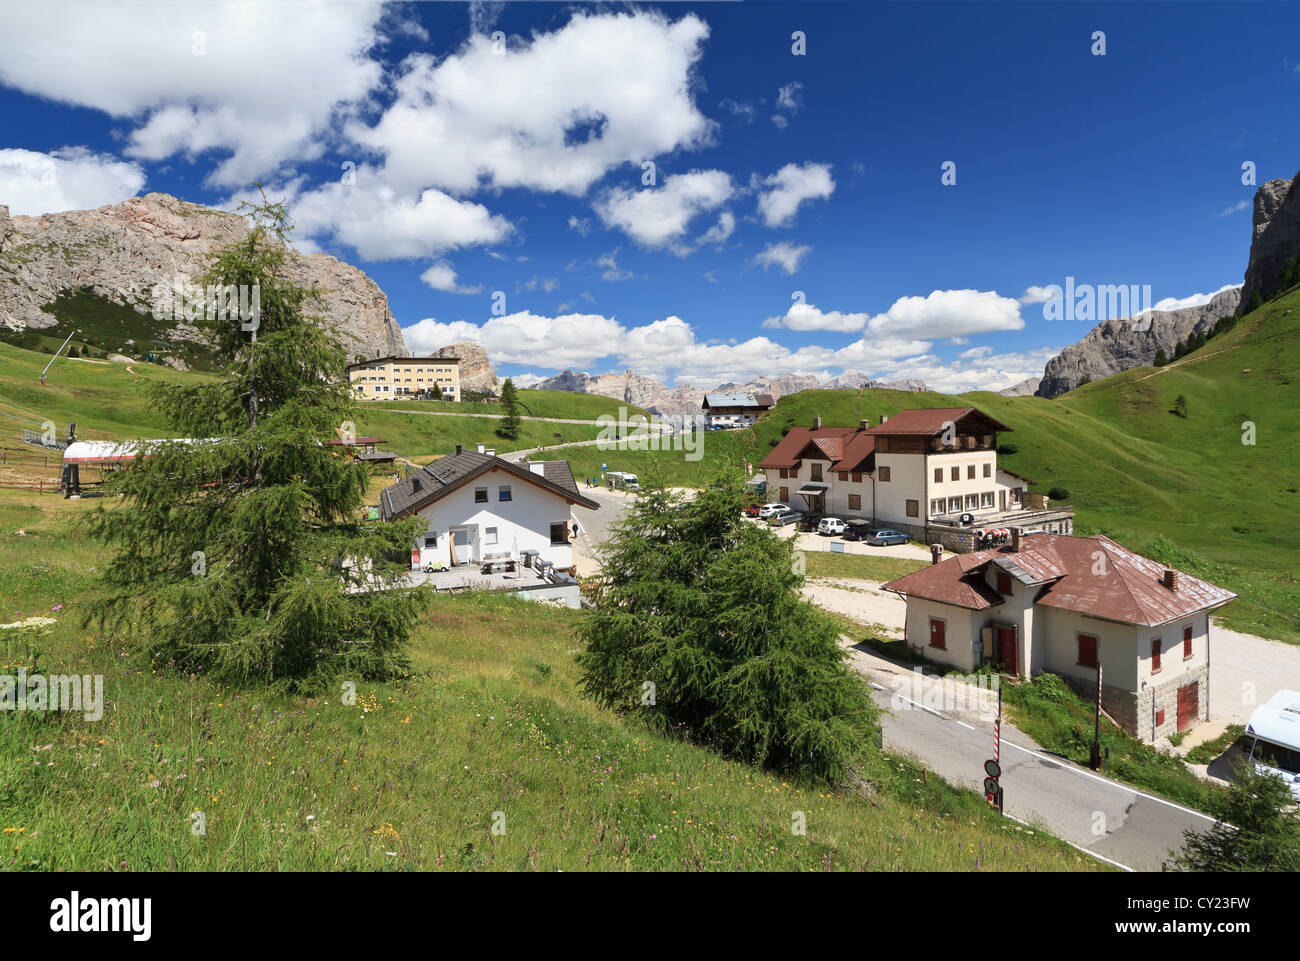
1275, 732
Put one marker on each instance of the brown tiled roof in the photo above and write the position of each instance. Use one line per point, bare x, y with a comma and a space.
927, 423
765, 400
847, 448
1091, 575
447, 473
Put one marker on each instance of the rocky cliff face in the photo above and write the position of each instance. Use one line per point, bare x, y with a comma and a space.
1275, 236
1025, 388
476, 372
121, 252
1115, 345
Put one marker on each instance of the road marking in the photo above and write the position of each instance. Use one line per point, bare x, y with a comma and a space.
1094, 854
1068, 767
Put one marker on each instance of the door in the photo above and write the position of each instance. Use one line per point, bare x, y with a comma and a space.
1189, 705
1007, 652
937, 632
460, 548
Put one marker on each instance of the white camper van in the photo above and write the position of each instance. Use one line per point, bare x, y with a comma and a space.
1275, 732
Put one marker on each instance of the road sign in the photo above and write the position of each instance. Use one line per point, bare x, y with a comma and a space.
990, 786
992, 769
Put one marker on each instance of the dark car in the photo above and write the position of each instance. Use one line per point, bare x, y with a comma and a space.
884, 536
856, 529
808, 522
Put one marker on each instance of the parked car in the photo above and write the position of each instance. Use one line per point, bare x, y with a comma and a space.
809, 522
857, 529
884, 536
830, 526
751, 510
767, 510
787, 516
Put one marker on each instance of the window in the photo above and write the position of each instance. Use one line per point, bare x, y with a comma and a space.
490, 535
938, 475
430, 540
558, 533
855, 502
936, 506
1187, 642
970, 471
913, 508
842, 475
480, 495
785, 473
988, 442
816, 471
986, 499
857, 477
503, 492
884, 473
988, 470
785, 495
954, 505
972, 501
1004, 583
1087, 650
956, 473
937, 638
882, 443
1155, 655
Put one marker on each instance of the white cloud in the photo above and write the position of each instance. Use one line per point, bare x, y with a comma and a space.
976, 352
948, 313
381, 224
263, 91
1194, 300
660, 216
71, 178
719, 232
442, 276
989, 372
745, 111
780, 195
581, 224
1239, 206
804, 316
612, 272
783, 255
553, 114
788, 103
1040, 295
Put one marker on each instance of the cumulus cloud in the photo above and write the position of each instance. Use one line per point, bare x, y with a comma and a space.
660, 216
804, 316
719, 232
948, 313
553, 114
442, 276
72, 178
987, 372
260, 83
1040, 295
788, 102
1194, 300
612, 271
780, 195
783, 255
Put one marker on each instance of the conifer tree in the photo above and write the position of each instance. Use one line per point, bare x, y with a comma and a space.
510, 420
243, 552
1258, 828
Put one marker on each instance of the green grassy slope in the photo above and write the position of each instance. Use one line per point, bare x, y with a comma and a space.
533, 403
490, 721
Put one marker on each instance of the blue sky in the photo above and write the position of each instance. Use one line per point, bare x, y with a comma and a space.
796, 223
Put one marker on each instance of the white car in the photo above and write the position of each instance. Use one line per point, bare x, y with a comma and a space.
767, 510
830, 526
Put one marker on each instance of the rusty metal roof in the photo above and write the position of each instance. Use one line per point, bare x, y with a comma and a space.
927, 423
847, 448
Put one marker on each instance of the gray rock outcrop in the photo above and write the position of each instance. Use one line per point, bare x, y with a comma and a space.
1275, 236
476, 372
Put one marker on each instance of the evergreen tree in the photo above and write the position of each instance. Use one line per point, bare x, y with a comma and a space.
510, 420
1180, 406
1161, 359
706, 608
244, 552
1290, 275
1258, 829
1255, 301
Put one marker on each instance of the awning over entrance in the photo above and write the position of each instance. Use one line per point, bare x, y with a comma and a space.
812, 489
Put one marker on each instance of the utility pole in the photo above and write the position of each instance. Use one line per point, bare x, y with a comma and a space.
1094, 761
56, 356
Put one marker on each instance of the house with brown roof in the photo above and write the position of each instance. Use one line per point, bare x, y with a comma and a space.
930, 473
735, 410
1080, 608
482, 511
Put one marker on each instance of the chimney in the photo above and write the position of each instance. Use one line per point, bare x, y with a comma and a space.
1015, 539
458, 448
1171, 579
936, 552
480, 448
864, 424
884, 417
537, 467
491, 452
817, 422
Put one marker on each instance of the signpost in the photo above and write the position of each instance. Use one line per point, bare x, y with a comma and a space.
992, 767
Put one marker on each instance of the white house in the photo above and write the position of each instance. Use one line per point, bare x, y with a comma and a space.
478, 507
1069, 605
735, 410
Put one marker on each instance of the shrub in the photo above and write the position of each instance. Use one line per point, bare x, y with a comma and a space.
1059, 494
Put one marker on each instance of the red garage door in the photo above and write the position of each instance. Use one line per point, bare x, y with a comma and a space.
1189, 705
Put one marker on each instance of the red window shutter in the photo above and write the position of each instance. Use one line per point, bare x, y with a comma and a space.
1087, 650
1187, 642
1160, 718
1004, 582
1155, 654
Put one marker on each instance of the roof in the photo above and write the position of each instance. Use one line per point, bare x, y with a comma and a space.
927, 423
1011, 473
1090, 575
393, 358
847, 448
1278, 719
738, 400
452, 471
355, 441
